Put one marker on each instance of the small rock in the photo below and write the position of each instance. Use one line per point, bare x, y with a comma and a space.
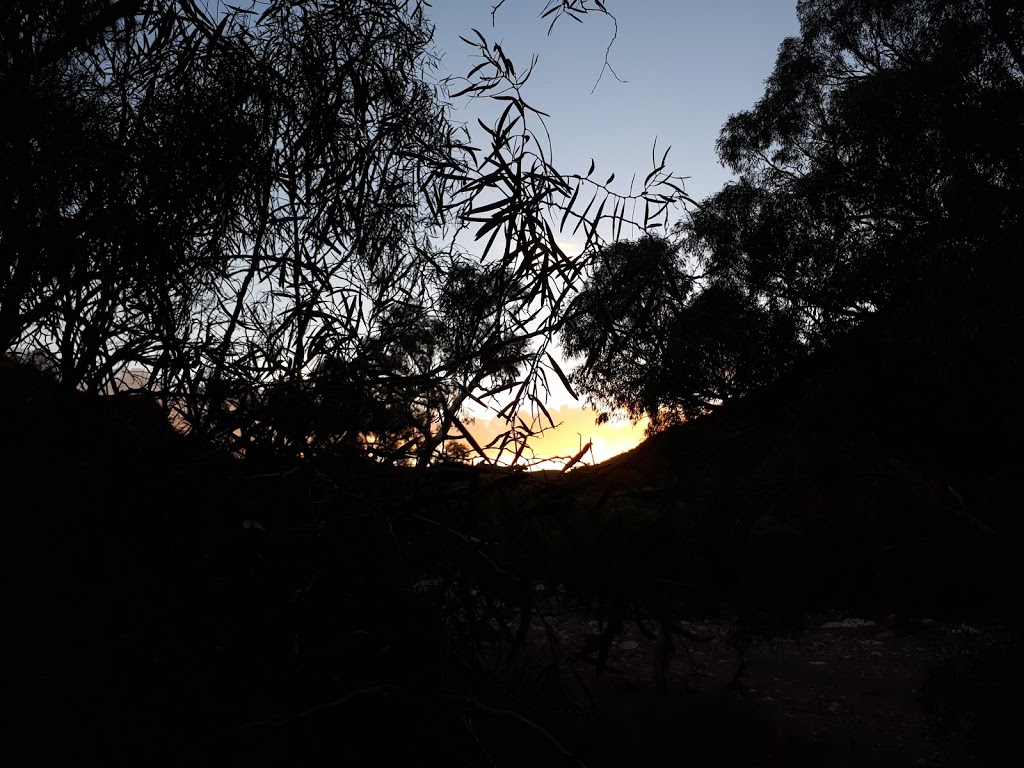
876, 654
877, 642
629, 645
965, 629
722, 662
817, 663
847, 624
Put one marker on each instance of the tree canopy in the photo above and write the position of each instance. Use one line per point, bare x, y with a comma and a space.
882, 161
254, 211
883, 149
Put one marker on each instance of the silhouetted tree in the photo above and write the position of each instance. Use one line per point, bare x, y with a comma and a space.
217, 202
653, 347
882, 163
883, 150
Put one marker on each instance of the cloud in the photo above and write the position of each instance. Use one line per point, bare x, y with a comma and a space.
569, 247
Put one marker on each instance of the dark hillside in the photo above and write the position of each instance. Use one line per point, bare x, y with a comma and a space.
888, 463
168, 600
162, 596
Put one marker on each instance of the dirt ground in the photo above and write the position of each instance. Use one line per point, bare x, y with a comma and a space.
842, 692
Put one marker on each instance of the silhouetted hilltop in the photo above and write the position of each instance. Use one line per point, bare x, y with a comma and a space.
883, 469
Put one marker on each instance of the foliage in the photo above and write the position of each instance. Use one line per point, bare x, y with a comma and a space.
225, 203
881, 151
880, 164
620, 320
653, 346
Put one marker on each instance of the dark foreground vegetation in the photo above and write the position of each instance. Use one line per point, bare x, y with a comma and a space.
175, 604
243, 222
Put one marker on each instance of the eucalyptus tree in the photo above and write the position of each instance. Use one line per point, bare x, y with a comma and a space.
260, 206
652, 341
884, 148
881, 166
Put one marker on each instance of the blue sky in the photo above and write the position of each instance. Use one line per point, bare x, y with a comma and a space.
688, 65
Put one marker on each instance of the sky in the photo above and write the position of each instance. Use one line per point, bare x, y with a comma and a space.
682, 67
687, 65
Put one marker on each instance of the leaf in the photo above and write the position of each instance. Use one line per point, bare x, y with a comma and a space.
568, 208
561, 375
575, 459
520, 447
487, 248
483, 125
545, 412
583, 217
503, 202
467, 435
219, 31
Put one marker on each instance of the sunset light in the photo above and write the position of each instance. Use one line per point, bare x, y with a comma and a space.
575, 428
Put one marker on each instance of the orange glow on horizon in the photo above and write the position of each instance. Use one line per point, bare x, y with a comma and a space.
575, 427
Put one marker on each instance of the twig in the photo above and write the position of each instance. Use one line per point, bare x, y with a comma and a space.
478, 706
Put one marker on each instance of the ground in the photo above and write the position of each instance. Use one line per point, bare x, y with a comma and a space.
838, 693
